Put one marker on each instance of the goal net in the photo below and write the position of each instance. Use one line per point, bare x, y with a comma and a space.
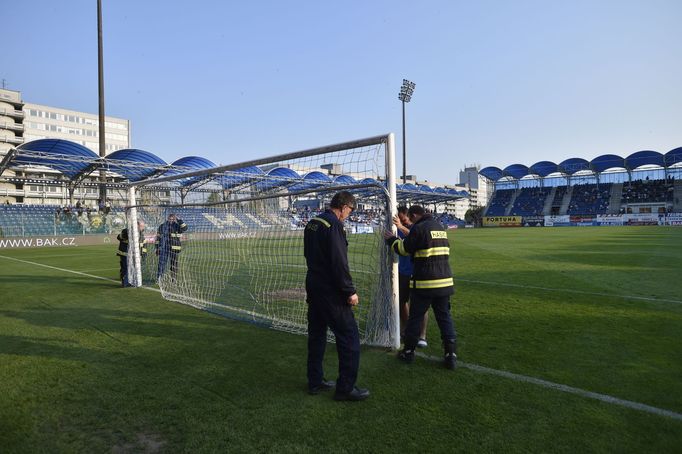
229, 239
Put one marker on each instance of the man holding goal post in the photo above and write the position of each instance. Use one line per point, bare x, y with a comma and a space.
431, 284
331, 296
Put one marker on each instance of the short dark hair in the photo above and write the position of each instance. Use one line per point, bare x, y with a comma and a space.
416, 209
402, 209
342, 198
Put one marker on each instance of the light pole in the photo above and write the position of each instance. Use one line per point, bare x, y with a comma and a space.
100, 84
405, 95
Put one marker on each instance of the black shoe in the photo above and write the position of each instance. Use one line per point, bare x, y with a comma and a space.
324, 386
355, 395
406, 356
450, 360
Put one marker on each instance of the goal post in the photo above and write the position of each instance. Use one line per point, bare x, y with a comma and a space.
229, 239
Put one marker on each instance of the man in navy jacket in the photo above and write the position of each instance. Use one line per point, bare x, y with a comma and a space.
330, 297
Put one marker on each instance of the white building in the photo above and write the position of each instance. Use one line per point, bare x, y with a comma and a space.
22, 122
477, 186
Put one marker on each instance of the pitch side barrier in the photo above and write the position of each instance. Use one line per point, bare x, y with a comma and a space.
599, 220
58, 241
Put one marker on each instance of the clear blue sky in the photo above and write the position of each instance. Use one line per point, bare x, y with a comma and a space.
498, 82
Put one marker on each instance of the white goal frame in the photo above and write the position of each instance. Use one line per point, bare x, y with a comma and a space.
387, 140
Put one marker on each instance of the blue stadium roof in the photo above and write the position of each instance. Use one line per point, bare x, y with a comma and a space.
599, 164
573, 165
279, 176
51, 153
75, 161
344, 180
145, 163
189, 163
312, 180
606, 162
643, 158
240, 176
543, 168
517, 171
491, 173
673, 157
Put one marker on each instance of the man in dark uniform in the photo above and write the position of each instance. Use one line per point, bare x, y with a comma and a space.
330, 297
123, 248
431, 284
168, 245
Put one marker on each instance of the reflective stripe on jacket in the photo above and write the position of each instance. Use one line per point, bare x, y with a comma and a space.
427, 244
168, 236
123, 243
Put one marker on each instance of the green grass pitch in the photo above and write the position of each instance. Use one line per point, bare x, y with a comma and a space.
86, 366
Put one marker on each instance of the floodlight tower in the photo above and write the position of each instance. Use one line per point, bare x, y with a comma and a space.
404, 96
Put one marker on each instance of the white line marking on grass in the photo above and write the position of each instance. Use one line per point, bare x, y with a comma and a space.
59, 269
103, 269
563, 388
568, 290
486, 370
74, 272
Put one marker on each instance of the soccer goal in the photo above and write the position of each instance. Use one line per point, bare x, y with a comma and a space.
230, 239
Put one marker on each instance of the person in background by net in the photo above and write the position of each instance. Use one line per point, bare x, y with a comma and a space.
431, 284
403, 224
331, 296
124, 248
168, 245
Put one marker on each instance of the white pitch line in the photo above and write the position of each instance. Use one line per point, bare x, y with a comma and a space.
563, 388
59, 269
103, 269
74, 272
568, 290
482, 369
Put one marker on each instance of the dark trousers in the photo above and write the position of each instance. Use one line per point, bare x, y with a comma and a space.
336, 315
165, 259
124, 270
419, 304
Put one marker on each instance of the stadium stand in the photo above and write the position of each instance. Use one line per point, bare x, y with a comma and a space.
648, 191
589, 199
530, 202
42, 220
499, 202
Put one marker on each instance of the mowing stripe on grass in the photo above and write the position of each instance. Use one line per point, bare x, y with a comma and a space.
568, 290
481, 369
563, 388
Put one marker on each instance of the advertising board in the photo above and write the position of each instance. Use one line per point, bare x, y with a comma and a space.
557, 221
502, 221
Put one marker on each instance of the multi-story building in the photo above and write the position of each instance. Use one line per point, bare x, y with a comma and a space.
478, 188
22, 122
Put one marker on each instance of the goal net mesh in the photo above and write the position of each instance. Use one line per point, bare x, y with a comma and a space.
236, 247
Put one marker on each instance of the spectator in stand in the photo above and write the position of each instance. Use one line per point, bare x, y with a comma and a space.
403, 224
